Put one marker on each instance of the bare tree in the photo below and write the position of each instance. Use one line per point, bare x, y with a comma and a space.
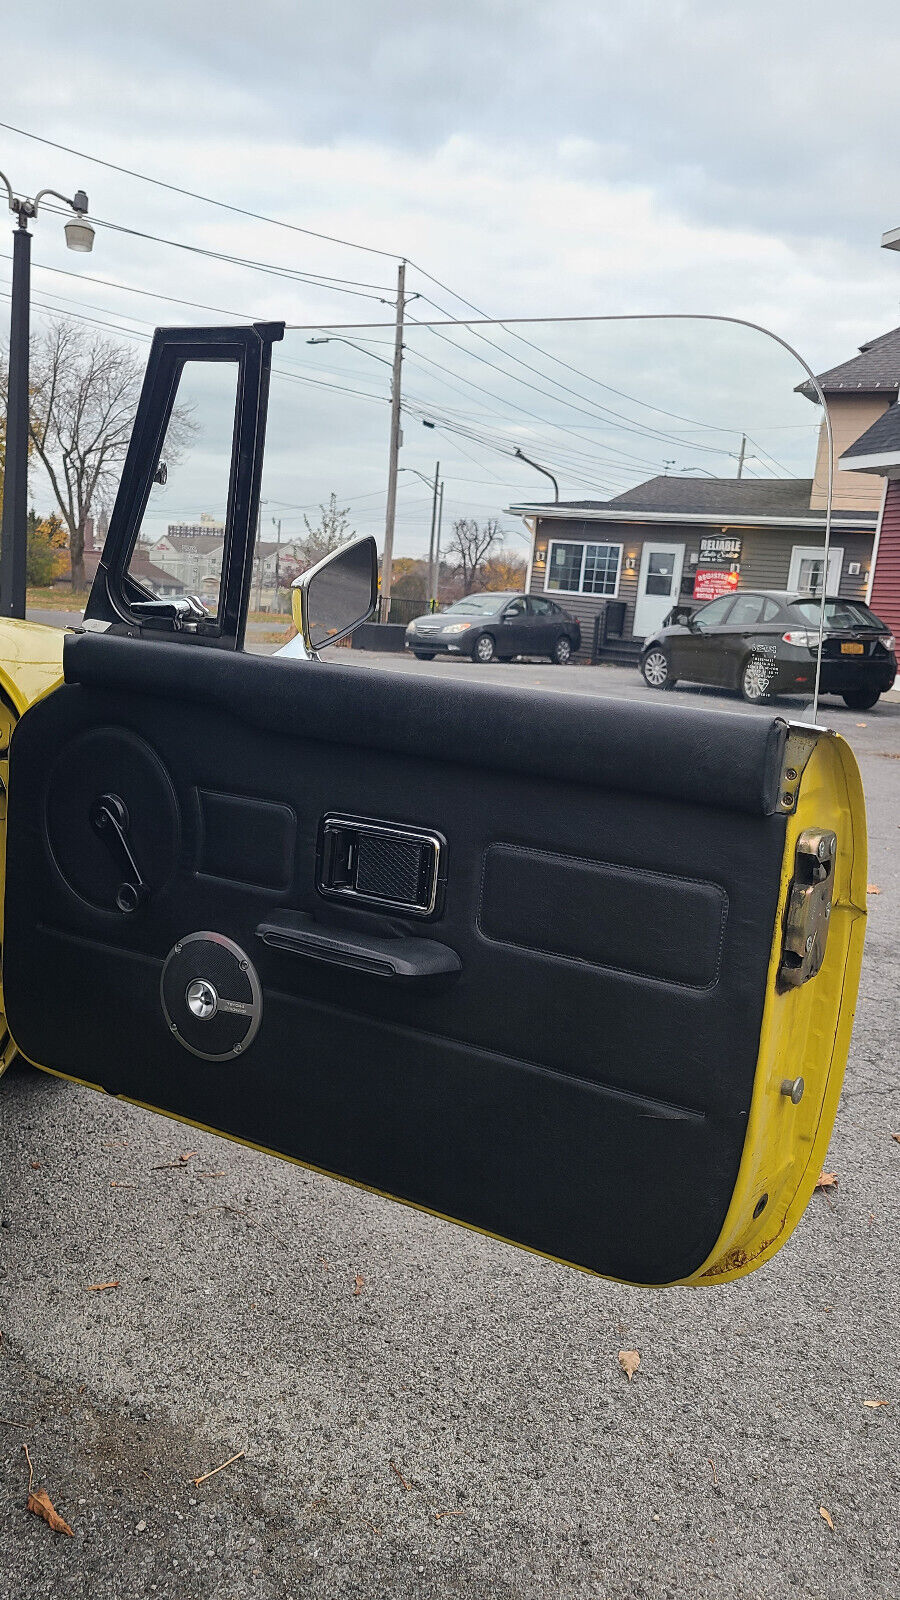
332, 530
470, 544
84, 392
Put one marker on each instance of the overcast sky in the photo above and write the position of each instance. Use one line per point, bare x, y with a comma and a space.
537, 159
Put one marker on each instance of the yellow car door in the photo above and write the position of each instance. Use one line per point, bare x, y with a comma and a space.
576, 972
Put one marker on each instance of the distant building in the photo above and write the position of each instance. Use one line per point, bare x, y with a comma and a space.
620, 565
192, 553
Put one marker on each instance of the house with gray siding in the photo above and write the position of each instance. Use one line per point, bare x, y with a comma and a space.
620, 565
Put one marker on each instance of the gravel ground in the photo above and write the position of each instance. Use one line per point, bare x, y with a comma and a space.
424, 1412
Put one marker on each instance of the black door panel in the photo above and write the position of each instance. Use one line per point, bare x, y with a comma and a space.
579, 1082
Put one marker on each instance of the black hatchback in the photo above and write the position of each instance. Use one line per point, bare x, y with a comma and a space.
496, 627
765, 643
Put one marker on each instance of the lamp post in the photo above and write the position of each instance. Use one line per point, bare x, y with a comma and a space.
80, 237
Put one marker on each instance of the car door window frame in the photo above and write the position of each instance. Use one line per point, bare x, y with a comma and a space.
114, 591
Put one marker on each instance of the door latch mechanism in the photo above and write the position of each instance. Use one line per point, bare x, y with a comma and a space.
808, 908
109, 819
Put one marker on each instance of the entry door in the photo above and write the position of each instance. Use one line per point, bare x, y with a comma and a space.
510, 956
659, 582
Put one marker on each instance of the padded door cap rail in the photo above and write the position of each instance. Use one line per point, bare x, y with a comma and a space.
729, 760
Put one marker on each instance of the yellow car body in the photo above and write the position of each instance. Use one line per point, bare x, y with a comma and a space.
30, 667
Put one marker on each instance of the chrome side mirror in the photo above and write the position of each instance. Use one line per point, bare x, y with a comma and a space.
334, 597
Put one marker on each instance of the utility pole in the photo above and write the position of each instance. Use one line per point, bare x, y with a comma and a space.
277, 522
434, 506
742, 453
396, 439
437, 547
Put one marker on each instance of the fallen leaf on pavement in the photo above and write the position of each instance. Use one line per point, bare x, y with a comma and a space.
826, 1180
42, 1506
188, 1155
360, 1284
36, 1166
874, 1405
96, 1287
826, 1517
872, 888
896, 1136
629, 1361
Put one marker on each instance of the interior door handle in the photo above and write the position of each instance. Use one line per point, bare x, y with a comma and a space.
392, 956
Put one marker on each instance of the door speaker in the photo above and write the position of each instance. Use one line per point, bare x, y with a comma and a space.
211, 996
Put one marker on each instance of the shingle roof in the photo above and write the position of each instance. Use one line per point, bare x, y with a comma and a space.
876, 370
736, 497
710, 497
883, 438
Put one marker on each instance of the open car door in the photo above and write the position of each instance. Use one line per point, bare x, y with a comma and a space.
552, 967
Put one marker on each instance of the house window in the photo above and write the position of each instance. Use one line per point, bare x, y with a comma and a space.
584, 568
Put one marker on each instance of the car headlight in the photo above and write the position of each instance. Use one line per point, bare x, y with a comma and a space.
887, 639
411, 628
458, 627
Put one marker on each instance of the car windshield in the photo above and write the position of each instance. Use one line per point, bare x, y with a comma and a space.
477, 605
838, 613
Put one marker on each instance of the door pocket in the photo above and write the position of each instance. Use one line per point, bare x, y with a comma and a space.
647, 924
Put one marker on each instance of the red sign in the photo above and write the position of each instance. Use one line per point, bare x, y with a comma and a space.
710, 582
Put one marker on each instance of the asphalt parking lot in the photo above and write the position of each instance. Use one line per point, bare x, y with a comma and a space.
423, 1412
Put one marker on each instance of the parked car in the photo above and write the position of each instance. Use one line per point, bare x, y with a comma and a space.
489, 627
764, 643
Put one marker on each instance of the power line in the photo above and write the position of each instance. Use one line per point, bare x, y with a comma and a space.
129, 288
291, 275
190, 194
322, 281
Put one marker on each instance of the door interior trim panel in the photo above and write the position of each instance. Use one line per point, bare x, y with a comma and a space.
593, 1114
723, 759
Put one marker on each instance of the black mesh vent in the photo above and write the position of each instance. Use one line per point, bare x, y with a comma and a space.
390, 868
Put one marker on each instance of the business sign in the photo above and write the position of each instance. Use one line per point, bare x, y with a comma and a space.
716, 548
710, 582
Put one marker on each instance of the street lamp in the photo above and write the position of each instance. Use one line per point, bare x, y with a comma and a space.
80, 237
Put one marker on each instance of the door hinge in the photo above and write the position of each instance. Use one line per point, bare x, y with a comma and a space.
808, 908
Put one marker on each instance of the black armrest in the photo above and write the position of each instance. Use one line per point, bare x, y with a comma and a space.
406, 960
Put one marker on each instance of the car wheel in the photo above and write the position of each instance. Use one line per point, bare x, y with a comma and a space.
861, 699
656, 670
755, 677
424, 655
561, 654
484, 649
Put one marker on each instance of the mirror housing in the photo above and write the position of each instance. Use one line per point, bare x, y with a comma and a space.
335, 596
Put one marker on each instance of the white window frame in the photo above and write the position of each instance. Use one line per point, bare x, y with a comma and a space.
611, 544
808, 552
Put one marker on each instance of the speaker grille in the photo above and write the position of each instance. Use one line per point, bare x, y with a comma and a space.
211, 996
